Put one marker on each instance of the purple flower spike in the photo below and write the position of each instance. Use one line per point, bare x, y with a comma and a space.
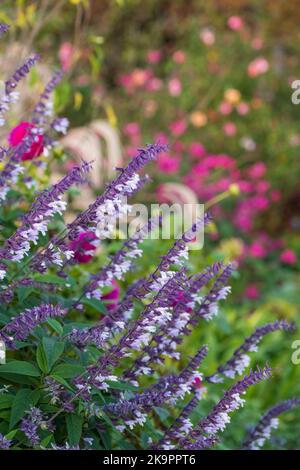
4, 442
218, 418
20, 73
240, 359
269, 421
20, 327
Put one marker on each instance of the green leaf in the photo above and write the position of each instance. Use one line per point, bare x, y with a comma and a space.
74, 428
50, 278
61, 381
49, 352
122, 386
11, 434
68, 371
55, 325
45, 442
96, 304
24, 292
24, 399
20, 368
6, 401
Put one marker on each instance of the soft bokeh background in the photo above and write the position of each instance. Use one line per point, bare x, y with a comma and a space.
213, 79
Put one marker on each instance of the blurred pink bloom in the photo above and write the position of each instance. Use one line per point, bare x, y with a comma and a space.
252, 292
162, 138
17, 135
245, 186
242, 108
207, 36
235, 23
260, 202
225, 108
179, 57
130, 151
153, 84
168, 164
197, 150
66, 54
178, 146
140, 77
257, 67
84, 247
288, 257
229, 129
257, 43
262, 186
154, 56
257, 250
174, 87
275, 195
257, 170
131, 129
178, 127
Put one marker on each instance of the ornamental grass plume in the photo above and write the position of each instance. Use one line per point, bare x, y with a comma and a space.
85, 383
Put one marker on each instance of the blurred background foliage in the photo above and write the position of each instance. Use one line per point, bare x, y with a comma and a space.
213, 79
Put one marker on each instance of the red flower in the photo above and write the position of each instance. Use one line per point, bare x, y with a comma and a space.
84, 247
17, 135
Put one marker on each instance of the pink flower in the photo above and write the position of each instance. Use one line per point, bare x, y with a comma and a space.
131, 129
257, 250
179, 57
112, 296
198, 383
174, 87
288, 257
252, 292
235, 23
262, 186
245, 186
154, 56
162, 138
225, 108
178, 127
257, 43
260, 203
275, 195
154, 84
257, 67
168, 164
66, 54
84, 247
229, 129
207, 36
242, 108
197, 150
18, 133
257, 170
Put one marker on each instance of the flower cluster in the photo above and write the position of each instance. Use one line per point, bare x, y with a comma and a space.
105, 378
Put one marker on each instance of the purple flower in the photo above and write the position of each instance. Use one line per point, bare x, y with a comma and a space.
3, 29
20, 73
240, 359
20, 327
35, 222
218, 418
30, 425
4, 442
269, 421
109, 202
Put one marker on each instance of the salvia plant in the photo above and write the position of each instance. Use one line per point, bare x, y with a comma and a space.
68, 382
